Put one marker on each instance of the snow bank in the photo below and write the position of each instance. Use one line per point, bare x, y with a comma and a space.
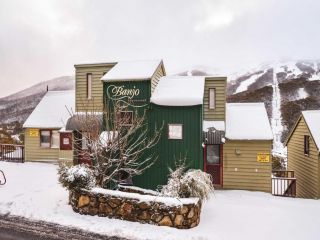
169, 201
179, 91
52, 111
312, 118
33, 191
247, 121
132, 70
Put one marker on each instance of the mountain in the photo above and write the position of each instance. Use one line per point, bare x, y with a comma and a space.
18, 106
286, 88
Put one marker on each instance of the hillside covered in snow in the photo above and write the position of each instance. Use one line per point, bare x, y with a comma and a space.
18, 106
286, 88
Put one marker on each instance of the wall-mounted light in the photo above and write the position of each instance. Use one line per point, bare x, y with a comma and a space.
237, 151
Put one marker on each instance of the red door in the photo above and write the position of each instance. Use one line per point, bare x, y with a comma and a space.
213, 162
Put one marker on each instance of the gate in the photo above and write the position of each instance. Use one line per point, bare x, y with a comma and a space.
12, 153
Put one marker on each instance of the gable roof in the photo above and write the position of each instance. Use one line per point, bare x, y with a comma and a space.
179, 91
247, 121
132, 70
52, 110
312, 119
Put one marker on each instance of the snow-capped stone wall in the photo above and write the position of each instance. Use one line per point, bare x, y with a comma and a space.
136, 207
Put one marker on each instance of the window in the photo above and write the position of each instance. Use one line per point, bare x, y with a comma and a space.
45, 138
125, 118
174, 131
89, 85
306, 145
213, 154
212, 98
49, 138
55, 139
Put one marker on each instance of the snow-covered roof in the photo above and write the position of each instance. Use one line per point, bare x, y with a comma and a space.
179, 91
247, 121
52, 110
132, 70
312, 118
217, 125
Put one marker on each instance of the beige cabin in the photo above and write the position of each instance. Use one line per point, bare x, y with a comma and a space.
303, 146
45, 137
238, 140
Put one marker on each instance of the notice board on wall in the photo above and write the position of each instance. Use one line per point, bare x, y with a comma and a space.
263, 157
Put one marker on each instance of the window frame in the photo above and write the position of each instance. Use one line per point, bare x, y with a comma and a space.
214, 98
175, 124
125, 124
89, 86
40, 142
51, 138
306, 145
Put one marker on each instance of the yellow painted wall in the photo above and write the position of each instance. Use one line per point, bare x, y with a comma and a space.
306, 168
97, 70
219, 113
243, 171
33, 151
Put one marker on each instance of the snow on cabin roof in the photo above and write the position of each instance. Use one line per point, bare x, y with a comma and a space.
179, 91
52, 110
132, 70
217, 125
247, 121
312, 118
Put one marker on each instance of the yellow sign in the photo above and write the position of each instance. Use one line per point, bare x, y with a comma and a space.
263, 157
33, 132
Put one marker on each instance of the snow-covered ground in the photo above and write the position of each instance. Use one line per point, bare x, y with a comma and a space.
32, 191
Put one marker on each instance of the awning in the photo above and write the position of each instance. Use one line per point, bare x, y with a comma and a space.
85, 122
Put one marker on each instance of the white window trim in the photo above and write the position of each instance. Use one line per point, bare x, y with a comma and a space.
177, 125
89, 86
212, 91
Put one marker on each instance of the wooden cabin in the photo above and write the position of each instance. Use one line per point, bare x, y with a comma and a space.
303, 145
45, 136
198, 124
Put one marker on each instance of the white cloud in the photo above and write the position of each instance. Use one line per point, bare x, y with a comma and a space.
216, 14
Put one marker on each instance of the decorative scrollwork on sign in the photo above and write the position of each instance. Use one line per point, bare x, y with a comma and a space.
126, 95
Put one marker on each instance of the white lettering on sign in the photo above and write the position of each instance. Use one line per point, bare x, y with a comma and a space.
120, 91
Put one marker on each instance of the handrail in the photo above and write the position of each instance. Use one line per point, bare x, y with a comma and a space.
11, 152
283, 183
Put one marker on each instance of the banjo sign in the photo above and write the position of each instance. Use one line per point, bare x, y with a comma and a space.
129, 96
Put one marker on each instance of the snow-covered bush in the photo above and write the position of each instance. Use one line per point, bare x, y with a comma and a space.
196, 183
193, 183
77, 177
172, 189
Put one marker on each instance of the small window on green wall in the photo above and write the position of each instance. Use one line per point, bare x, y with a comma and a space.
175, 131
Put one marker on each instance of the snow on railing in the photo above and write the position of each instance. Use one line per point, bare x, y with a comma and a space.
10, 152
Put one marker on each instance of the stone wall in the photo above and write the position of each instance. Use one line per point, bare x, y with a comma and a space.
129, 206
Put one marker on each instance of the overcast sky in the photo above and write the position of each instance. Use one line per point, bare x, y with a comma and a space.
42, 39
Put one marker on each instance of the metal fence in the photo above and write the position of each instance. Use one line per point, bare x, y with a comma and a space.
12, 153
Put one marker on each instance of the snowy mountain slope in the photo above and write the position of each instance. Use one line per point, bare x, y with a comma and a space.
286, 88
295, 87
18, 106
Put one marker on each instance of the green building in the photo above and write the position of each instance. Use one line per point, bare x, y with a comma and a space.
198, 124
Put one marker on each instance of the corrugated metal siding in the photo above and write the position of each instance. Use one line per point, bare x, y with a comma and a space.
33, 151
306, 168
170, 150
213, 137
243, 171
96, 103
219, 113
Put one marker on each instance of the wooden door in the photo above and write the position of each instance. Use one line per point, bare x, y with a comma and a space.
213, 162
